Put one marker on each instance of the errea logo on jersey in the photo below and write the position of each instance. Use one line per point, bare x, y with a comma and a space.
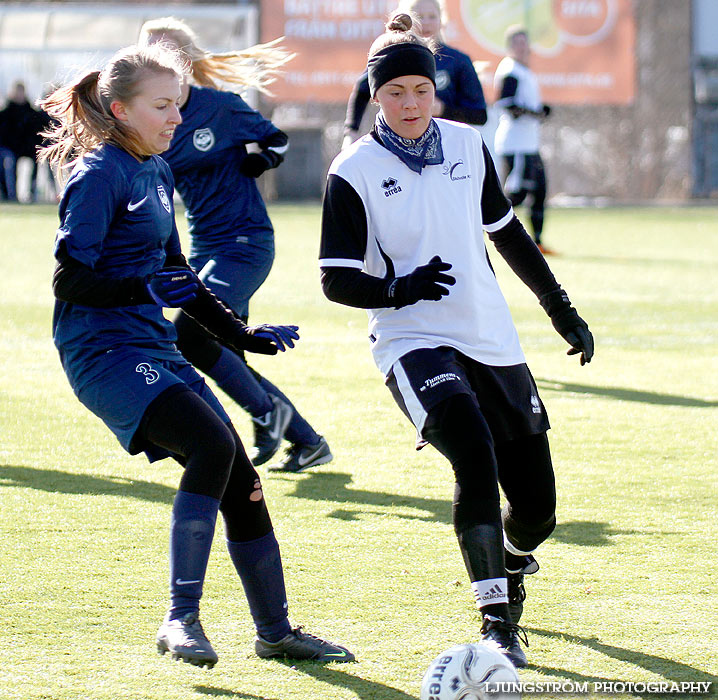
203, 139
390, 187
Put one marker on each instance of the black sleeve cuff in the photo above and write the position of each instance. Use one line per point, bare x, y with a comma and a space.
76, 283
218, 319
555, 302
277, 139
352, 287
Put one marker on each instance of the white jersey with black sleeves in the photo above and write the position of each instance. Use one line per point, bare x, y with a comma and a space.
391, 219
518, 134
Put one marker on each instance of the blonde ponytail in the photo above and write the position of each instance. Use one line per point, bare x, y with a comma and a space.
255, 67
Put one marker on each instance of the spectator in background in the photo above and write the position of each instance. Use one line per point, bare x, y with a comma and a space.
19, 119
7, 160
459, 96
518, 133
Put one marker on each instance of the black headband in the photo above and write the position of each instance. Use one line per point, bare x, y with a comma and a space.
396, 60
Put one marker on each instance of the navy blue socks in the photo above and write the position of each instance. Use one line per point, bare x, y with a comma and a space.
251, 392
235, 378
191, 533
259, 566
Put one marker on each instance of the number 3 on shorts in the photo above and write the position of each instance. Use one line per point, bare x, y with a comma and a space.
151, 375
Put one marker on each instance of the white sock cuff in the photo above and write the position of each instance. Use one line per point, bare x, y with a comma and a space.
515, 550
490, 591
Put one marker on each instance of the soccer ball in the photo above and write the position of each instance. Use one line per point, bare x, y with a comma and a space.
471, 672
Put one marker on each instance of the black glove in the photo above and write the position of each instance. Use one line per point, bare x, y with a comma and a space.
172, 286
546, 110
254, 164
569, 325
423, 283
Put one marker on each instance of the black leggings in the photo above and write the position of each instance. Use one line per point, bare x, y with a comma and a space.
215, 463
527, 479
458, 429
197, 346
533, 185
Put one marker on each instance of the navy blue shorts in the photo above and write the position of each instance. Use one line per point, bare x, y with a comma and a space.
127, 380
507, 396
233, 280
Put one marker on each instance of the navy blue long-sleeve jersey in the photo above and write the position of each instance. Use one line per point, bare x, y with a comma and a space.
205, 155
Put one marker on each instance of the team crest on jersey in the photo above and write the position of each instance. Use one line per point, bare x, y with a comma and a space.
390, 186
164, 198
442, 79
203, 139
456, 171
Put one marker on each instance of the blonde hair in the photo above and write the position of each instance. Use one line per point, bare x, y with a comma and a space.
399, 31
255, 67
81, 110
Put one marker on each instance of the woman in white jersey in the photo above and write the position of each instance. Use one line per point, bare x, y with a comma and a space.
402, 236
517, 138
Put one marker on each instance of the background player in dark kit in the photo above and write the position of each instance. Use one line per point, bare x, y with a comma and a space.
458, 90
119, 264
405, 206
232, 239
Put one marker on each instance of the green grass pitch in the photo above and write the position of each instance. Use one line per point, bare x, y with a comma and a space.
627, 587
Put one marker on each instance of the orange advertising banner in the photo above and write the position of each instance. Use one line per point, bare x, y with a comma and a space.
582, 50
331, 39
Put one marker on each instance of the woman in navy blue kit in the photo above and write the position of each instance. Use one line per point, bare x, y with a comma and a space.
119, 263
458, 97
232, 239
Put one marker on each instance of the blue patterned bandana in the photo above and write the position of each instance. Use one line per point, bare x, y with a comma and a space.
414, 153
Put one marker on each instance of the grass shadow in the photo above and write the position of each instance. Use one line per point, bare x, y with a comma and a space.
327, 487
586, 533
362, 688
669, 669
224, 693
55, 481
625, 394
333, 487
